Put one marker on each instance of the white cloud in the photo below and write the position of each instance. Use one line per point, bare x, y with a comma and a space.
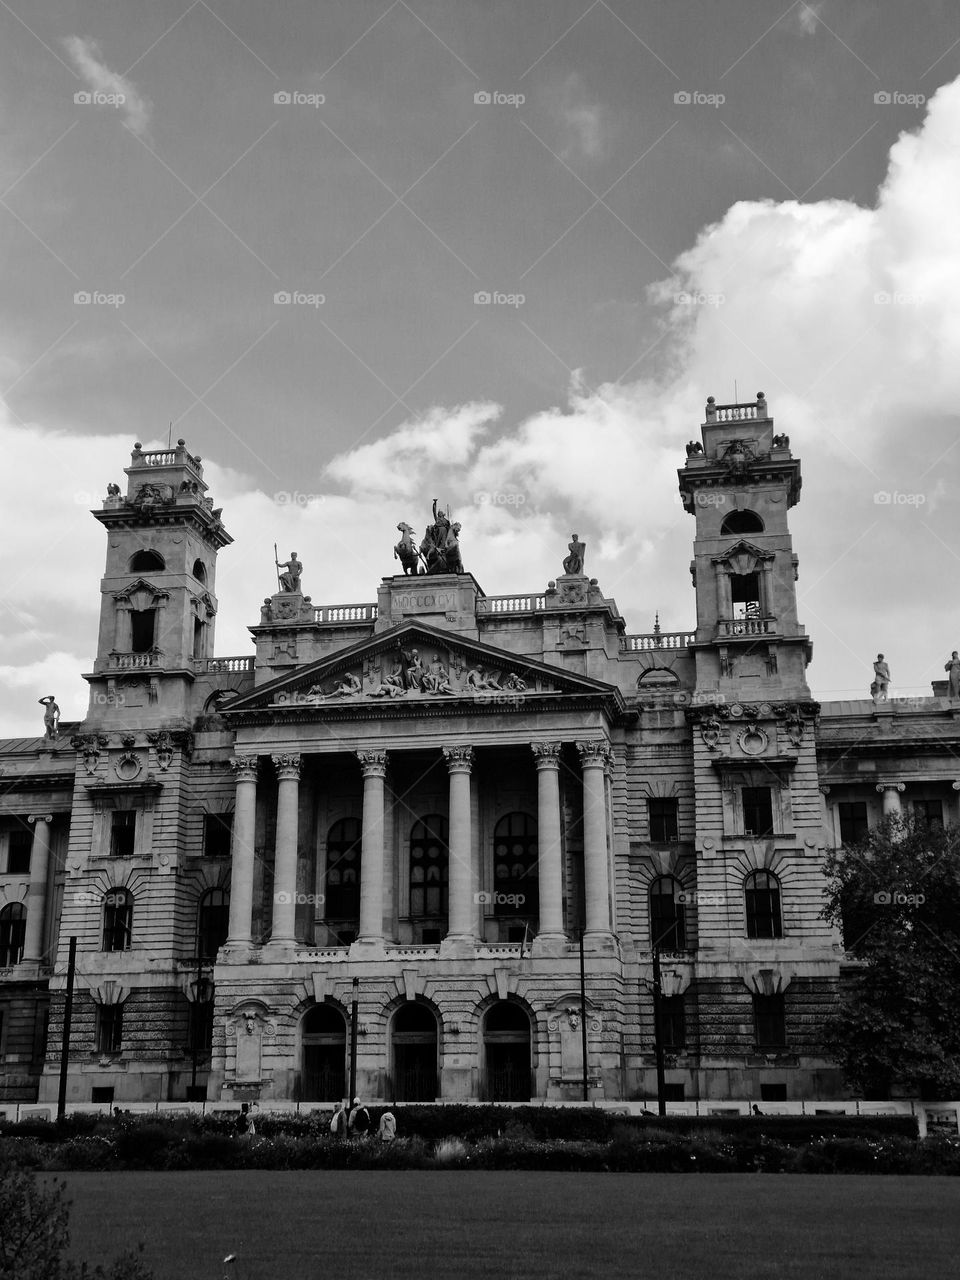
808, 16
85, 56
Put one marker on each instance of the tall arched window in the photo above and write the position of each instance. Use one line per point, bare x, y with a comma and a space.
117, 919
145, 561
213, 920
13, 929
324, 1040
667, 914
516, 884
429, 876
341, 900
762, 902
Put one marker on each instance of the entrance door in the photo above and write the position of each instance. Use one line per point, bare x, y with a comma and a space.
506, 1042
323, 1072
414, 1054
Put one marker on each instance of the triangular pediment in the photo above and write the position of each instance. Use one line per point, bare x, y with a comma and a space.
415, 664
744, 557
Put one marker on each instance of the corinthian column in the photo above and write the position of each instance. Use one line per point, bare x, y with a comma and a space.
547, 759
373, 765
285, 865
37, 893
463, 909
593, 759
241, 850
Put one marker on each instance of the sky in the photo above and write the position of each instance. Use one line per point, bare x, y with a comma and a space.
363, 253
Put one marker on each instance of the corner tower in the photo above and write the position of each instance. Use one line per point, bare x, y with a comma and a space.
158, 601
740, 481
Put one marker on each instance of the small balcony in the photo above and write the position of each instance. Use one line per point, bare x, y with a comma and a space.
739, 627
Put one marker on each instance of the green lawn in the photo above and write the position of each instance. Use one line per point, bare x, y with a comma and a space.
461, 1225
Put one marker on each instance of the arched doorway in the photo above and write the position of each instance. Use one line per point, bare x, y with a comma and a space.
506, 1045
324, 1040
414, 1042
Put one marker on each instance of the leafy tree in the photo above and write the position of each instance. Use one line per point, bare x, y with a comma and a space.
34, 1235
896, 897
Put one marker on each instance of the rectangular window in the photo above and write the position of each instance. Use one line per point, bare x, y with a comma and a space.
770, 1021
200, 1028
217, 831
109, 1028
673, 1092
929, 811
663, 819
773, 1093
142, 629
757, 811
673, 1031
19, 848
102, 1093
123, 830
853, 821
197, 638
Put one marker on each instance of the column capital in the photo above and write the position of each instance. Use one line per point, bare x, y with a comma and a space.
546, 755
594, 753
40, 817
891, 786
459, 759
287, 766
373, 764
245, 768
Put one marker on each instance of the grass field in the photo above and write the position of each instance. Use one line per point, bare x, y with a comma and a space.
313, 1225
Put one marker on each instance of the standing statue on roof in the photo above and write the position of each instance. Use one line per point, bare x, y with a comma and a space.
51, 716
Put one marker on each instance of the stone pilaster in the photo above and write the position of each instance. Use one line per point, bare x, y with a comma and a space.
37, 894
463, 909
373, 765
242, 850
285, 873
547, 759
594, 757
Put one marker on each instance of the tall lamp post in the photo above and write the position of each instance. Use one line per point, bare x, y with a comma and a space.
658, 1030
354, 1032
202, 988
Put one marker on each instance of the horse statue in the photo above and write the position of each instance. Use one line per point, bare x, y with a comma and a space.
405, 551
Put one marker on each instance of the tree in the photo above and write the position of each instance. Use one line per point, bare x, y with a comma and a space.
896, 897
34, 1235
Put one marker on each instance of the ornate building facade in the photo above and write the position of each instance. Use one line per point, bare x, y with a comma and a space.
421, 804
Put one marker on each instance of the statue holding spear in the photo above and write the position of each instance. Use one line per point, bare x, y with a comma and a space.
289, 580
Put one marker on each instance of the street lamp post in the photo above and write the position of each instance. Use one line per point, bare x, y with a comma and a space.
354, 1032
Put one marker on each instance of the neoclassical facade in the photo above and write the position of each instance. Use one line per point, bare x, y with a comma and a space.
417, 807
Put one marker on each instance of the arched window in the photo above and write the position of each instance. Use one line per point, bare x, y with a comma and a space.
667, 914
13, 929
117, 919
199, 571
213, 920
762, 900
742, 522
429, 875
324, 1039
341, 900
516, 886
145, 561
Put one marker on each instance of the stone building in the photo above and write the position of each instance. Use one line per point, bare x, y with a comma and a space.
418, 804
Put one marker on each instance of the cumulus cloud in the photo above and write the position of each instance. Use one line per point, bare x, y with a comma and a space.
846, 316
85, 56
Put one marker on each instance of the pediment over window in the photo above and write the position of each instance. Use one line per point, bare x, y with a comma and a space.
141, 595
418, 666
743, 558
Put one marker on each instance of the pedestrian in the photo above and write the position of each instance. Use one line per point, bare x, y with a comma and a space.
388, 1127
358, 1122
338, 1124
244, 1122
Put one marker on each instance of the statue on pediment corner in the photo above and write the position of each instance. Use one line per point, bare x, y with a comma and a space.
573, 563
